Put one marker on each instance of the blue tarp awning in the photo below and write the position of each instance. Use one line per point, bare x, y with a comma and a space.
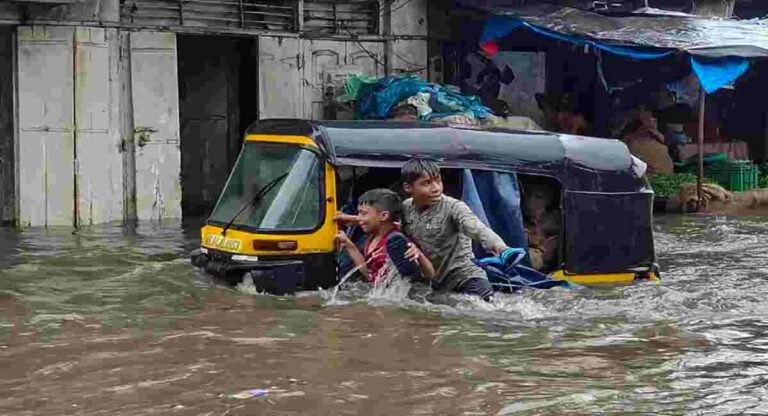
719, 49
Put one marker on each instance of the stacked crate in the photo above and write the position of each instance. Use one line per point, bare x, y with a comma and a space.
733, 175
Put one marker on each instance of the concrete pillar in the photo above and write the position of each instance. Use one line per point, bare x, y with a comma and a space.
7, 128
89, 12
125, 115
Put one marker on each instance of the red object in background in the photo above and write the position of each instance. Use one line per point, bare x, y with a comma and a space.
491, 48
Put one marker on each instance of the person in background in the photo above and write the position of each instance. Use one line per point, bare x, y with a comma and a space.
542, 223
379, 211
444, 228
645, 141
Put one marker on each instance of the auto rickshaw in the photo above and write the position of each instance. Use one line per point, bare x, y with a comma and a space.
274, 217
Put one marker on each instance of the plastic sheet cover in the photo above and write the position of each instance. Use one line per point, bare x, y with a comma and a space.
697, 36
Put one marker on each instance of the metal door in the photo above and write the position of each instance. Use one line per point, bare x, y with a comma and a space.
46, 129
98, 171
156, 125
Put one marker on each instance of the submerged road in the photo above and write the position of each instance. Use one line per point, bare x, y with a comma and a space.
116, 322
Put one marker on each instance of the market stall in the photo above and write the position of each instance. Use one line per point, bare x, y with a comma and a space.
699, 55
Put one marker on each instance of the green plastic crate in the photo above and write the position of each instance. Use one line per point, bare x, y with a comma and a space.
735, 175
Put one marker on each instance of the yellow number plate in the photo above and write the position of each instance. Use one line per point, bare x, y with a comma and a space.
222, 243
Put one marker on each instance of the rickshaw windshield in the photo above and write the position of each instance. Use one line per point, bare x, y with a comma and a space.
273, 187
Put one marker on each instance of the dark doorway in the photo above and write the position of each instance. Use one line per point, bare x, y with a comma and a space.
218, 85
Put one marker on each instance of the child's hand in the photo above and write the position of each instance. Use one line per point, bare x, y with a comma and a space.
413, 253
343, 240
499, 249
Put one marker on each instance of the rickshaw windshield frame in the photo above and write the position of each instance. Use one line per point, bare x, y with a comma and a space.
270, 202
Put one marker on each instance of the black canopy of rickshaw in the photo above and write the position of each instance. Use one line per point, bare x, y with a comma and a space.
579, 163
607, 209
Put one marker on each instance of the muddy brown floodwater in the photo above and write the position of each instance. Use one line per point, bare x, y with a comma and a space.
116, 322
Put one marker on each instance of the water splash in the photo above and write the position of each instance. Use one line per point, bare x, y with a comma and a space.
247, 286
391, 287
335, 291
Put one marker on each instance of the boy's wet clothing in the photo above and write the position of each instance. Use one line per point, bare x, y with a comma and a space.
444, 232
392, 247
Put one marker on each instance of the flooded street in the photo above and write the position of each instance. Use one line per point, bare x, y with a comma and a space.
116, 322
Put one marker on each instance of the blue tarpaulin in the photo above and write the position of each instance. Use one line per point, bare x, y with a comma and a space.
376, 100
499, 27
495, 198
720, 49
714, 75
507, 272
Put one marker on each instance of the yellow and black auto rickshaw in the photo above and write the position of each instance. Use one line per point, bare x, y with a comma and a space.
274, 218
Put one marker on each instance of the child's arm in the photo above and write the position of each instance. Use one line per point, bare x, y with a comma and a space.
354, 253
472, 227
407, 258
426, 267
345, 219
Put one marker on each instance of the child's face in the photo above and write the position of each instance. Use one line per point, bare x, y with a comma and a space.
370, 218
426, 190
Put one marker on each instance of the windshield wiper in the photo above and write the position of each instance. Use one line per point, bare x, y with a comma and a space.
258, 197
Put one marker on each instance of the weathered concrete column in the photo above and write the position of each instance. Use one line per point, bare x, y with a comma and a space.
407, 37
125, 115
7, 127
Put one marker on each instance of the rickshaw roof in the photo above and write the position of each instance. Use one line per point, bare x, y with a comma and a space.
580, 163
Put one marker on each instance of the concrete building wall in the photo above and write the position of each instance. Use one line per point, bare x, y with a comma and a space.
295, 74
325, 59
41, 12
409, 38
280, 63
99, 136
